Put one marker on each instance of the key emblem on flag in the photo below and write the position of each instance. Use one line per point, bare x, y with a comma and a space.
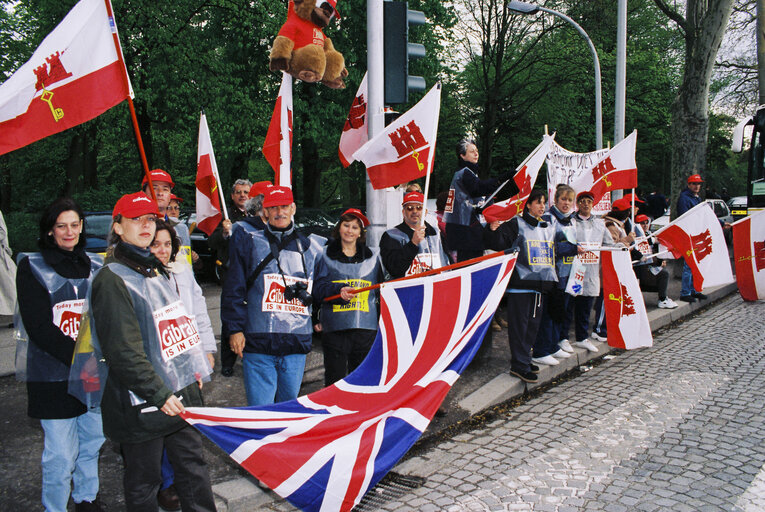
49, 73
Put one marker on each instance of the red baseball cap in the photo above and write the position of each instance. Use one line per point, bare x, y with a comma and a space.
357, 213
622, 204
695, 178
585, 193
278, 196
332, 3
159, 176
173, 197
642, 218
134, 205
637, 199
414, 197
259, 188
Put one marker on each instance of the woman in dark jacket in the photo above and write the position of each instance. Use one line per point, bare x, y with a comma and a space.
348, 327
150, 381
51, 288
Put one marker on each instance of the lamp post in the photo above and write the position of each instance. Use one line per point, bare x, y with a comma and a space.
527, 8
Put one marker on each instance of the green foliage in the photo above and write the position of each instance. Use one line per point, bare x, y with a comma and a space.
22, 231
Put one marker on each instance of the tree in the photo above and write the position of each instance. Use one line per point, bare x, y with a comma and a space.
702, 28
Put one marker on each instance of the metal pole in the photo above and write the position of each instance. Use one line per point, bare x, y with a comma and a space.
598, 100
376, 210
621, 79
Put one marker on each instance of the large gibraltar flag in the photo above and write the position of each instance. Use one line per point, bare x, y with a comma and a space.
749, 255
72, 77
405, 149
626, 316
208, 195
355, 131
617, 170
698, 237
277, 148
525, 177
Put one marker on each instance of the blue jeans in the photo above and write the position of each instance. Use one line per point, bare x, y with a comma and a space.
687, 286
70, 452
272, 379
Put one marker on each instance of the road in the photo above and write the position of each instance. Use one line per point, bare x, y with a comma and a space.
679, 426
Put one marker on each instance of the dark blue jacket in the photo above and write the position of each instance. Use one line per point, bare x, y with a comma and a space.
686, 201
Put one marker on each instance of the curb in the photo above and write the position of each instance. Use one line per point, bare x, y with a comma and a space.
242, 494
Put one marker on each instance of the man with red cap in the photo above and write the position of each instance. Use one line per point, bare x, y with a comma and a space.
412, 247
687, 199
266, 300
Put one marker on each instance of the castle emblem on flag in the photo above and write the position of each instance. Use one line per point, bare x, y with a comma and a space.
601, 170
48, 74
759, 255
702, 244
407, 138
628, 306
356, 115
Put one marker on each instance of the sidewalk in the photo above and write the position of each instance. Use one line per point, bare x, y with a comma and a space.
484, 384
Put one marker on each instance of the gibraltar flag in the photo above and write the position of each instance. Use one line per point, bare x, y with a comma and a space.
749, 255
626, 316
404, 150
208, 195
615, 171
277, 148
355, 132
72, 77
525, 177
698, 237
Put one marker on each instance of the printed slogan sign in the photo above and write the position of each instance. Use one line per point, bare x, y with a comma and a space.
177, 331
423, 262
540, 253
273, 298
359, 302
592, 256
67, 314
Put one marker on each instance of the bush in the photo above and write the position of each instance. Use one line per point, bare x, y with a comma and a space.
22, 231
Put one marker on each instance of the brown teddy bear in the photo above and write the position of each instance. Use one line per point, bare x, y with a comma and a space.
301, 48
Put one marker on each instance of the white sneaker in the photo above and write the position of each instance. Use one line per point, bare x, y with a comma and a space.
597, 337
586, 344
565, 345
667, 304
561, 354
548, 360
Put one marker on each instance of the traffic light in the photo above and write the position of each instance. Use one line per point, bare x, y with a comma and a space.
398, 50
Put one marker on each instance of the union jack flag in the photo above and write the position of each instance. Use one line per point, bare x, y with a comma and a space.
325, 450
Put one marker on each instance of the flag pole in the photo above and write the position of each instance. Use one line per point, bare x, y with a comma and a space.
215, 171
430, 272
131, 107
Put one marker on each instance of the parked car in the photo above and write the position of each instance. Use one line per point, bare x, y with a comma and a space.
737, 207
97, 225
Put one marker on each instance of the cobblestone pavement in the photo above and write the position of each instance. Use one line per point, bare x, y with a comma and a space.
679, 426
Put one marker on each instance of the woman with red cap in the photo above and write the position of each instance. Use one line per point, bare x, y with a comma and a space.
348, 327
155, 360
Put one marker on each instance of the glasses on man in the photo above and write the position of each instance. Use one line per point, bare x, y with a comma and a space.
413, 207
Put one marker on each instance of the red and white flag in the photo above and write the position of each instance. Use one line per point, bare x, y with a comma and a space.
626, 316
698, 237
208, 196
355, 132
749, 255
525, 177
404, 150
277, 148
73, 76
615, 171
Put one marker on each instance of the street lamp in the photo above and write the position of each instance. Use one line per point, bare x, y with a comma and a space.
527, 8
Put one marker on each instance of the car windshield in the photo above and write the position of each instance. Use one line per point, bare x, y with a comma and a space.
97, 225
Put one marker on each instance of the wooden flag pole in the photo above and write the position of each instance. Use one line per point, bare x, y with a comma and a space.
429, 272
131, 107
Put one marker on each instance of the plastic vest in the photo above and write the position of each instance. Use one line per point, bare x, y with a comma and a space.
459, 205
67, 298
590, 234
563, 263
536, 258
430, 252
170, 337
361, 311
267, 309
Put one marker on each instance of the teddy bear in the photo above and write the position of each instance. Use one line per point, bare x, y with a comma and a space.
301, 48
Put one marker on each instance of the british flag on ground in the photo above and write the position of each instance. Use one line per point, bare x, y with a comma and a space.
324, 451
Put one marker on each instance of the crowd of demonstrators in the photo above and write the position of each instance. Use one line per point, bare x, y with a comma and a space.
218, 243
532, 279
51, 287
547, 349
165, 247
348, 328
131, 299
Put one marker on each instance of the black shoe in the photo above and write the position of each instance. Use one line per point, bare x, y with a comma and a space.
227, 371
700, 296
525, 376
88, 506
688, 298
534, 368
168, 499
